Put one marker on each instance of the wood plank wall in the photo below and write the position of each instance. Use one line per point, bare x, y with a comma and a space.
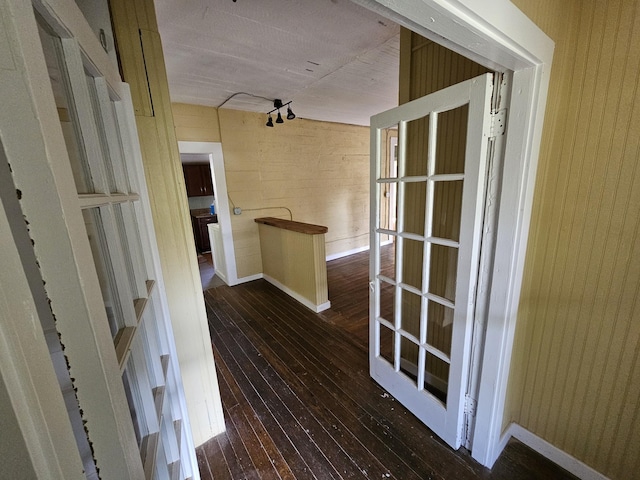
575, 378
318, 170
431, 67
297, 261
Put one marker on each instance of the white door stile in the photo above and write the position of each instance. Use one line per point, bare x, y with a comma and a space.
493, 181
31, 391
445, 419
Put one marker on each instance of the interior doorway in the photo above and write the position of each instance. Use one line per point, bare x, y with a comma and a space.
503, 40
221, 235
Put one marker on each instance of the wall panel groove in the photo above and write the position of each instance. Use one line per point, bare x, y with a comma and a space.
575, 371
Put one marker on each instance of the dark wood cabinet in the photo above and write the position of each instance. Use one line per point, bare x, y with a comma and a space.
201, 232
197, 178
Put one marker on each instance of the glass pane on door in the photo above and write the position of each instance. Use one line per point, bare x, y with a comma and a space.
416, 148
451, 141
439, 327
413, 253
104, 269
411, 314
447, 209
414, 201
388, 255
436, 374
442, 271
66, 110
108, 151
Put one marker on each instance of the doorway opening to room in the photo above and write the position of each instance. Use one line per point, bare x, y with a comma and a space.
209, 211
198, 179
497, 49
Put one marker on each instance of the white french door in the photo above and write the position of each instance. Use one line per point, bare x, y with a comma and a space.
424, 269
70, 140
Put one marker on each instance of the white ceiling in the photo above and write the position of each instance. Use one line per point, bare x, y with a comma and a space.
337, 61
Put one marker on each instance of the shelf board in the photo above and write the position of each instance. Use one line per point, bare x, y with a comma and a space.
122, 343
149, 454
158, 400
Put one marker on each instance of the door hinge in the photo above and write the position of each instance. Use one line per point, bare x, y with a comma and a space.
470, 405
469, 421
498, 123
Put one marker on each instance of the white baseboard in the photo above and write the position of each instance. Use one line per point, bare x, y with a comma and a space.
347, 253
307, 303
249, 278
553, 453
353, 252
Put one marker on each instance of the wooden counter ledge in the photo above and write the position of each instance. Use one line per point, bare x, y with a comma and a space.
299, 227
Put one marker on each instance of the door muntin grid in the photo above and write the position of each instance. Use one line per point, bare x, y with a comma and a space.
421, 313
426, 269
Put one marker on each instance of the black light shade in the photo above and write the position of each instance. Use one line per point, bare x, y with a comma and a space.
277, 106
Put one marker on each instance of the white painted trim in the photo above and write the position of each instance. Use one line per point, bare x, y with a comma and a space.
26, 370
553, 453
347, 253
67, 20
214, 150
304, 301
221, 276
335, 256
246, 279
501, 38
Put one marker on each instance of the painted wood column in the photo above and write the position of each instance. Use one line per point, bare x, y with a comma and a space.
142, 63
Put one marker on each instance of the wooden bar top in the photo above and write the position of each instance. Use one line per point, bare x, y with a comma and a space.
299, 227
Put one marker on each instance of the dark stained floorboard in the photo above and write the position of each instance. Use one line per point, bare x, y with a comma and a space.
299, 402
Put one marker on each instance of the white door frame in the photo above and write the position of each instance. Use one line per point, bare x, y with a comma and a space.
504, 39
214, 150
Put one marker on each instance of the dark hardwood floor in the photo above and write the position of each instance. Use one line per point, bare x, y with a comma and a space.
299, 402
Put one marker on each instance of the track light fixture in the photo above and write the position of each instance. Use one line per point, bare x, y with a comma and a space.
277, 105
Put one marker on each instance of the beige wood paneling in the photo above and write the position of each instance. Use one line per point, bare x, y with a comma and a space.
297, 261
195, 123
575, 376
143, 67
318, 170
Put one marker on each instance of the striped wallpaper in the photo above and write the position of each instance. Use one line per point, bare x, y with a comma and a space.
575, 378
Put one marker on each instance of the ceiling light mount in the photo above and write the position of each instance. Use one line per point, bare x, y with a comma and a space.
277, 105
